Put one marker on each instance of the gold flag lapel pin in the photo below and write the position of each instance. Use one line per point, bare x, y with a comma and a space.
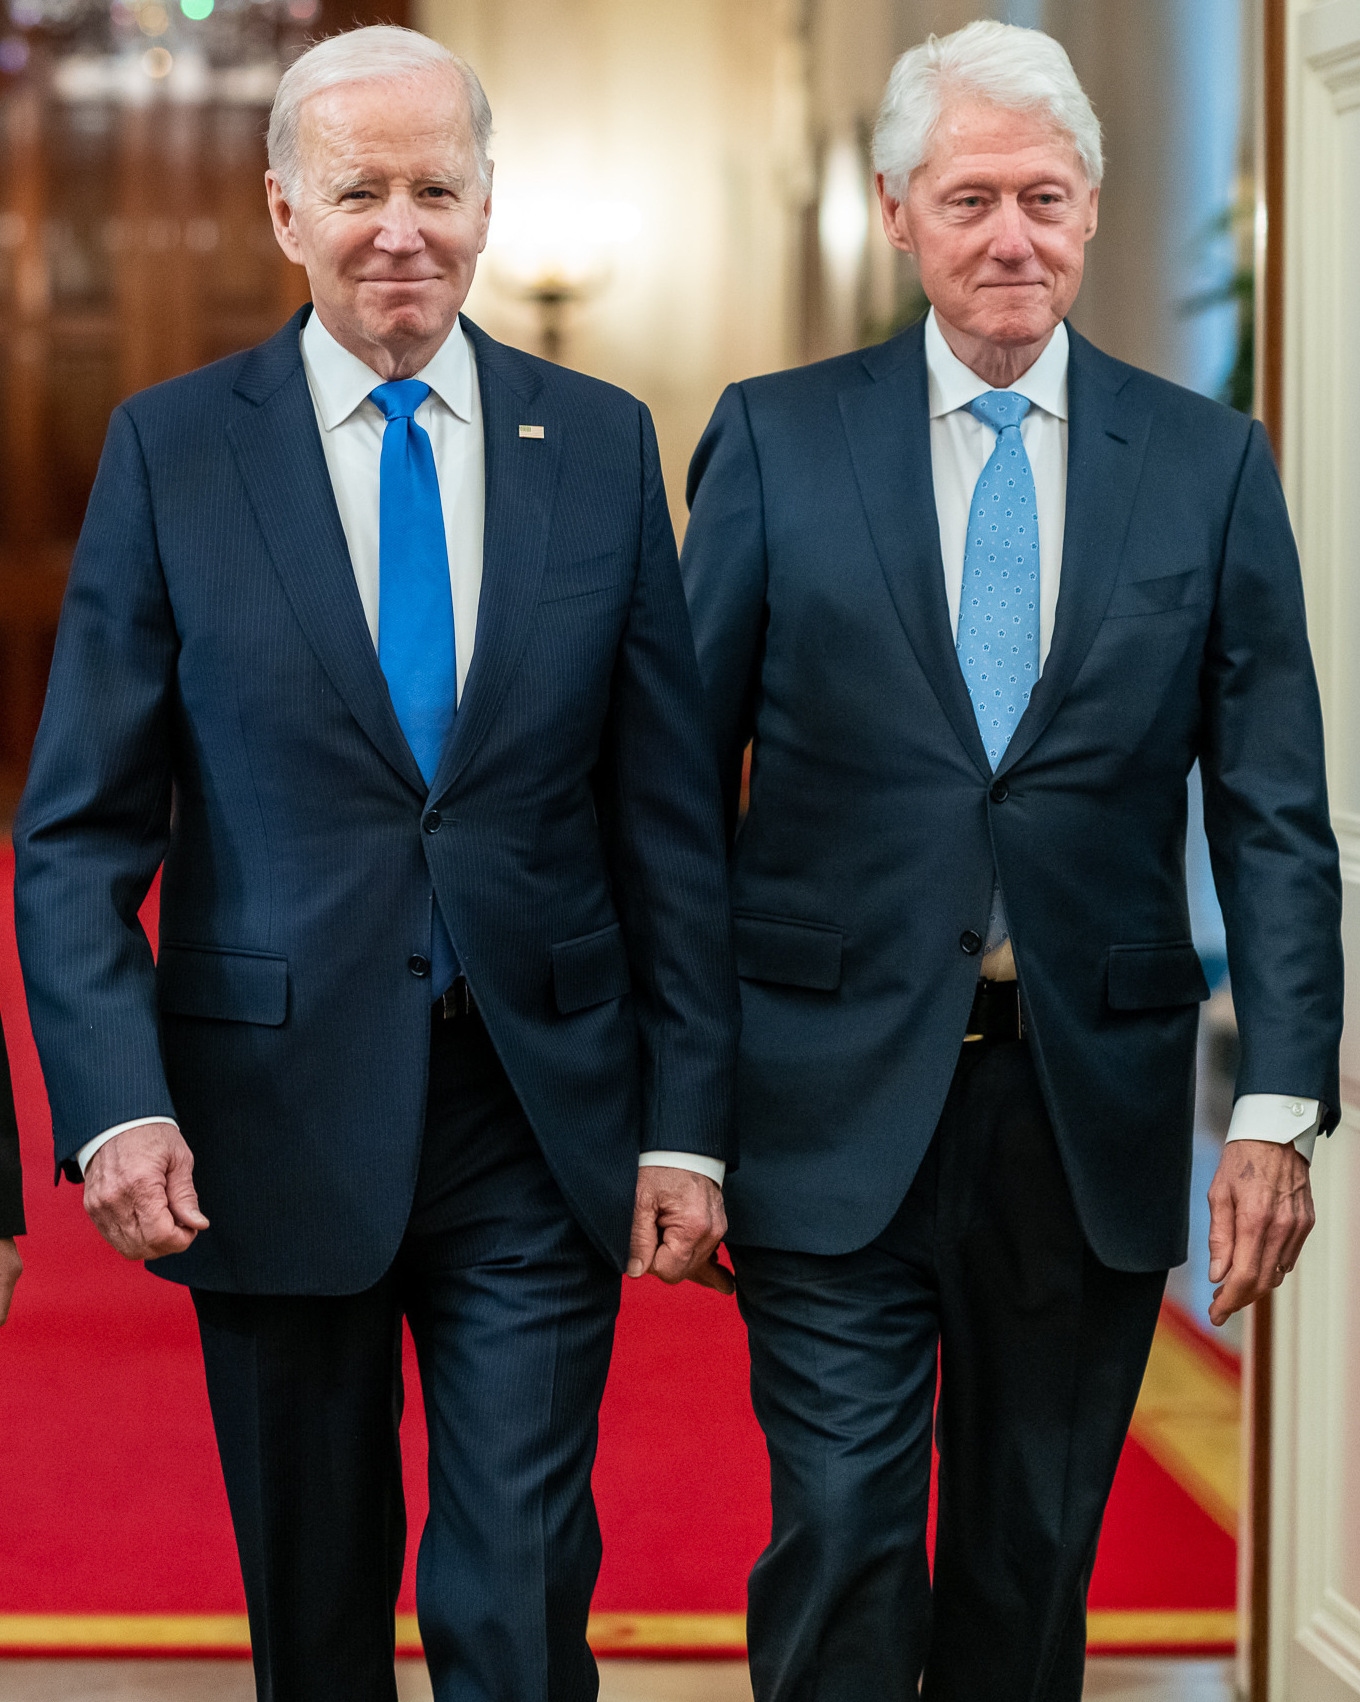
531, 431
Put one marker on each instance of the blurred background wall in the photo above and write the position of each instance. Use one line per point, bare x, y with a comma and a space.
683, 197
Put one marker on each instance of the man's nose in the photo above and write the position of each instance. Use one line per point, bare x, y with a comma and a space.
1010, 234
399, 230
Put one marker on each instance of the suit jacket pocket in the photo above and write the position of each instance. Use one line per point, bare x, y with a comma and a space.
583, 578
788, 952
1145, 978
215, 981
1157, 593
590, 970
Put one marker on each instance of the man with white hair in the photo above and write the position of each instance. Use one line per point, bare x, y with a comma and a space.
977, 599
375, 635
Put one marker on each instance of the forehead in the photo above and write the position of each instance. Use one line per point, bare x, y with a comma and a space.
396, 119
975, 135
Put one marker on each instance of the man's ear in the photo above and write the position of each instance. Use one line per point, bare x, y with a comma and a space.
281, 216
1094, 217
896, 226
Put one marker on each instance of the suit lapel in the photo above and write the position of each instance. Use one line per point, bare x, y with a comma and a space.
1106, 445
278, 450
521, 482
887, 423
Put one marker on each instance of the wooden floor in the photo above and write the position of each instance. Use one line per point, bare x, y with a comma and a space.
621, 1681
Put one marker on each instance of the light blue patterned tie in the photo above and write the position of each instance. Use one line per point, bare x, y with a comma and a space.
998, 637
415, 603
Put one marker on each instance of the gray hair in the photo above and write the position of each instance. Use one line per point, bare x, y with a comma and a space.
1021, 69
378, 53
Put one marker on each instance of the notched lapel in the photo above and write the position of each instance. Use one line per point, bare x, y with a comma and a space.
887, 423
521, 486
1106, 446
278, 450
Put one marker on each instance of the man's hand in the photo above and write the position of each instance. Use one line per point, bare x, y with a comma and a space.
139, 1190
678, 1221
1260, 1213
11, 1269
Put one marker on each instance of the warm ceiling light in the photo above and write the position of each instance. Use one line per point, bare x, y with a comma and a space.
559, 240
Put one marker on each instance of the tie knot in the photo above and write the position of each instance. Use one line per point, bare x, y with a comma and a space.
999, 408
399, 399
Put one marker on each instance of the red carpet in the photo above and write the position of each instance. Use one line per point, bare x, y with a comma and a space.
114, 1533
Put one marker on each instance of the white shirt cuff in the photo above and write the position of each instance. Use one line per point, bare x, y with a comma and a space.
714, 1168
1279, 1118
90, 1148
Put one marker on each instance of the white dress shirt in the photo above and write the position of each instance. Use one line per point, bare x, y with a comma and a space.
351, 429
960, 447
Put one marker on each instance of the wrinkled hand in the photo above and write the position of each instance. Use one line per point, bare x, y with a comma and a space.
11, 1269
1261, 1210
139, 1192
678, 1221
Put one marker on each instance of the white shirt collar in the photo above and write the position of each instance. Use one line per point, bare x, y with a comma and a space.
340, 381
954, 385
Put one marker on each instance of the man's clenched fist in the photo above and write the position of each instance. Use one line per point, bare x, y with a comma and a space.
678, 1221
139, 1191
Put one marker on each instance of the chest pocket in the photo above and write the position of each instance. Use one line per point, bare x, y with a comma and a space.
587, 577
1158, 591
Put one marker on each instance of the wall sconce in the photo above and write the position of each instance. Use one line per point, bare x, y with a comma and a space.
555, 251
843, 214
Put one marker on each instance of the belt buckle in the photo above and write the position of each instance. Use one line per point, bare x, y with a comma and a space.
457, 999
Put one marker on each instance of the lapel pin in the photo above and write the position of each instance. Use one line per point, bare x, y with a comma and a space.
531, 431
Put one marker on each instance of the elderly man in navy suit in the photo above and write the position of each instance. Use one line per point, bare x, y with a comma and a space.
978, 599
375, 636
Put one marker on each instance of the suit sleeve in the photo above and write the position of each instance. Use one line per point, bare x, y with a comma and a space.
724, 571
94, 820
1265, 805
11, 1176
657, 795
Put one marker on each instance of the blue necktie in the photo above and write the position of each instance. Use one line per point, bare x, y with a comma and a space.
998, 638
415, 603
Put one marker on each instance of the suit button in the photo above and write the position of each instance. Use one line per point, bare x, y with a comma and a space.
970, 942
1000, 792
418, 965
433, 822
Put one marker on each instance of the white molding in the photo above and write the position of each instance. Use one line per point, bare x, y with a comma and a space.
1346, 826
1329, 32
1330, 1640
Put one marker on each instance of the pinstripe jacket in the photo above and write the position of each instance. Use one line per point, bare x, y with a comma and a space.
215, 702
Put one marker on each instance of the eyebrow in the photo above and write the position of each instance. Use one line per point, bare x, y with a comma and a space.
972, 185
367, 180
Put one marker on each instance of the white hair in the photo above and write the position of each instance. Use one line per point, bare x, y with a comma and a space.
378, 53
1020, 69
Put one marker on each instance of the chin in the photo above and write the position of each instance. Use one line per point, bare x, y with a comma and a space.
407, 325
1017, 330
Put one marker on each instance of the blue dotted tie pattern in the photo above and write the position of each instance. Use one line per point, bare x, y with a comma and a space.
998, 637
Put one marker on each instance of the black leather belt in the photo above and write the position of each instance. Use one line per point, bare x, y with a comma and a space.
456, 1000
996, 1013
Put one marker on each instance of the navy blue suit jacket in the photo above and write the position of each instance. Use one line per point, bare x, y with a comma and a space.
216, 702
812, 566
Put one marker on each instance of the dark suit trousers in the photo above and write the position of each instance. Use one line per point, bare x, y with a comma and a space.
512, 1312
1041, 1350
11, 1175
